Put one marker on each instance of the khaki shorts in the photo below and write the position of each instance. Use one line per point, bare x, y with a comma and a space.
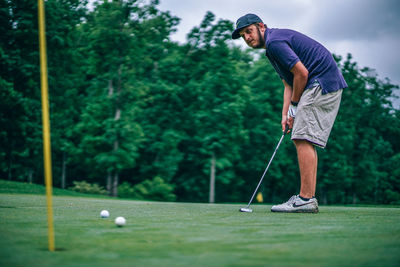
315, 116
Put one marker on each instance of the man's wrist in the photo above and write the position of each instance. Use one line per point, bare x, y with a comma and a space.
292, 111
294, 103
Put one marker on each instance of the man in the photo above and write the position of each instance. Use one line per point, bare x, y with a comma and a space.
312, 91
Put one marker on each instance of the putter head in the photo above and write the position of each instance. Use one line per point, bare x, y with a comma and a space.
245, 210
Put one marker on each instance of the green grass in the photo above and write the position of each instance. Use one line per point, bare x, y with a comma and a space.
187, 234
11, 187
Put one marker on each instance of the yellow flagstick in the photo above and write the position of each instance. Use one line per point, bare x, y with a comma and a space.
46, 124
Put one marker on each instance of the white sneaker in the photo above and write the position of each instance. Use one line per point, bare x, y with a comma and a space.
296, 204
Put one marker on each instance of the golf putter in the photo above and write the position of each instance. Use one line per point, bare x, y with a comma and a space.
247, 209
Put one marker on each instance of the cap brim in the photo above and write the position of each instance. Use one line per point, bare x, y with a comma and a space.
236, 33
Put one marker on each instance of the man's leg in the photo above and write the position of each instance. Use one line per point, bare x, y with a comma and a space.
308, 162
315, 171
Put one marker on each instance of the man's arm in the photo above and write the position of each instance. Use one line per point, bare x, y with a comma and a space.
300, 79
287, 95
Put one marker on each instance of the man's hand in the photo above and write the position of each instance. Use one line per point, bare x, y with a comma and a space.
289, 119
284, 122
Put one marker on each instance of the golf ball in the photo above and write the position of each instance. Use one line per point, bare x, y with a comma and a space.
120, 221
104, 214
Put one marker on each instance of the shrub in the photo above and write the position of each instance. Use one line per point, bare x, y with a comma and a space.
125, 190
87, 188
156, 189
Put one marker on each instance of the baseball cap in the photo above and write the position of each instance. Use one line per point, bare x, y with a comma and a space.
243, 22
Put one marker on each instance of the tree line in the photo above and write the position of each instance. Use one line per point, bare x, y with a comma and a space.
133, 111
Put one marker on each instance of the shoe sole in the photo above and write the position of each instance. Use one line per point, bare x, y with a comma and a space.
296, 211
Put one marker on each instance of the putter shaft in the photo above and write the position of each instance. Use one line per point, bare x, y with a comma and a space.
269, 163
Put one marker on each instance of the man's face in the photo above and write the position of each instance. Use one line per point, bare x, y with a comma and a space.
252, 36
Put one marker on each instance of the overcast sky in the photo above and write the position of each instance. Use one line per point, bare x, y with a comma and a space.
368, 29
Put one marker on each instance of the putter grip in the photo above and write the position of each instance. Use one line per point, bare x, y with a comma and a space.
286, 129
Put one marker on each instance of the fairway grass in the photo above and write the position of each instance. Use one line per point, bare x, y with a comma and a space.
186, 234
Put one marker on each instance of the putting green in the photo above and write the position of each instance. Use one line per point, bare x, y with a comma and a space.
187, 234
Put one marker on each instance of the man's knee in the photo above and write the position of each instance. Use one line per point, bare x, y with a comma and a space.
301, 142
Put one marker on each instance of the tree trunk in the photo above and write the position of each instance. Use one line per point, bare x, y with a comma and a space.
64, 170
109, 174
212, 179
115, 185
30, 176
325, 199
110, 88
376, 189
109, 183
117, 117
9, 166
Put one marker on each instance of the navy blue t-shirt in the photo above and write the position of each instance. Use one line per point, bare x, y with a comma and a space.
286, 47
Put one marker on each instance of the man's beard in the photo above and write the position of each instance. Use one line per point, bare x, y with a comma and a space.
261, 42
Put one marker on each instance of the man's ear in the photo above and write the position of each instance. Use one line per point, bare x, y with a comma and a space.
261, 25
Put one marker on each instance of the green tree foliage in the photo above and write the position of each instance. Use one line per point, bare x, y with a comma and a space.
357, 162
12, 123
114, 37
215, 107
65, 79
19, 68
195, 121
